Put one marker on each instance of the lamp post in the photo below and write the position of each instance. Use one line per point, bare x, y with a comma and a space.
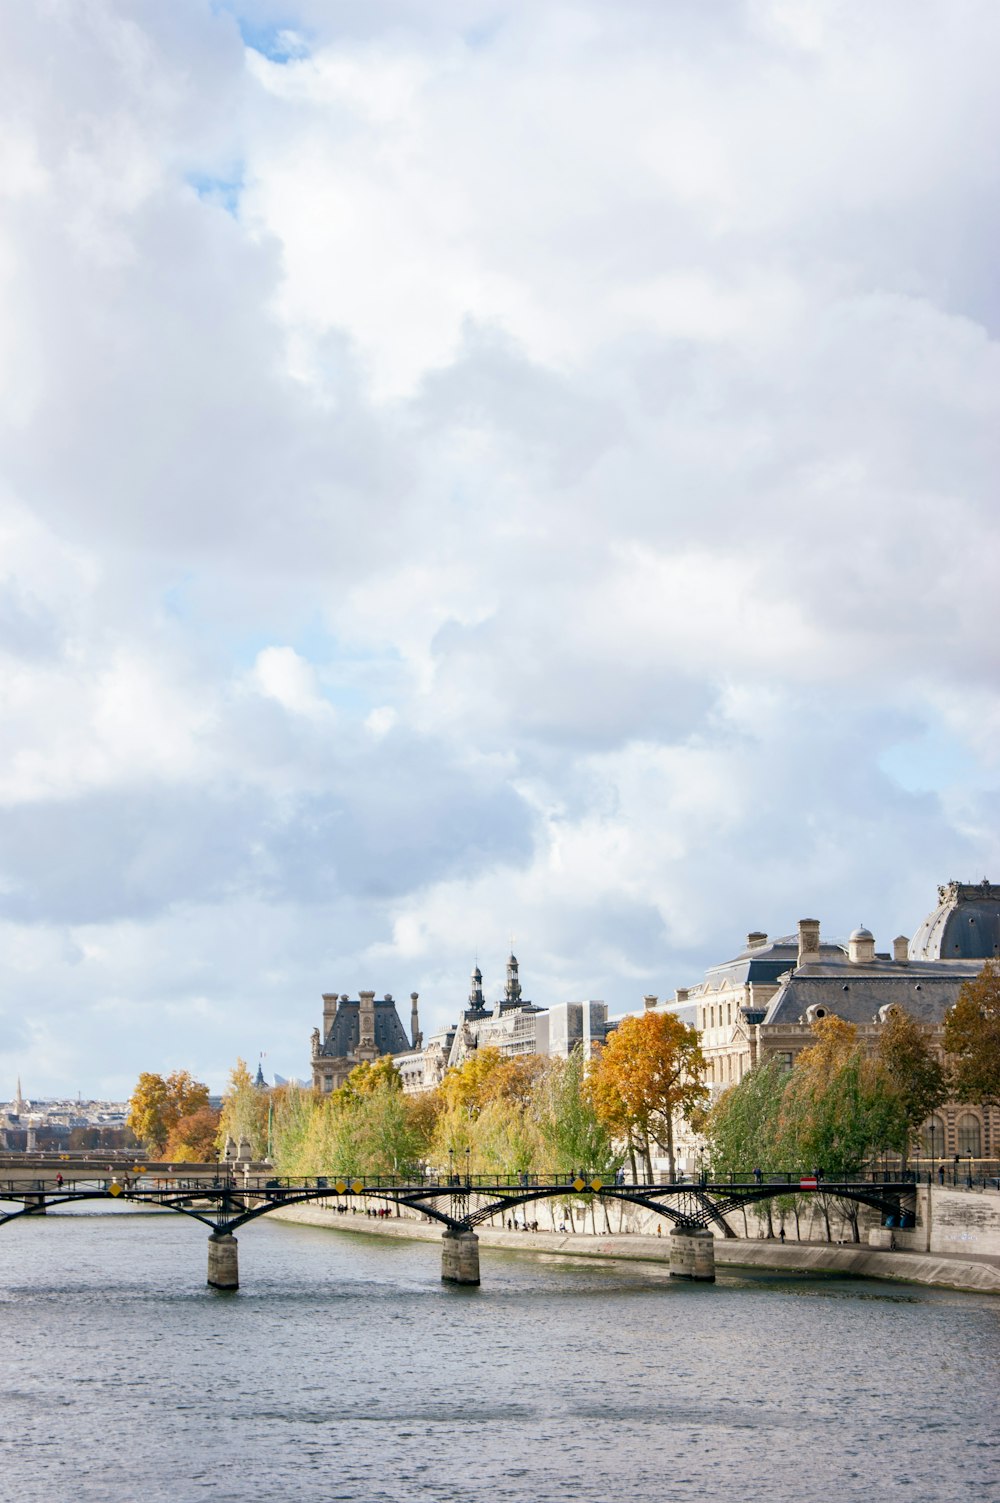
970, 1168
468, 1161
451, 1166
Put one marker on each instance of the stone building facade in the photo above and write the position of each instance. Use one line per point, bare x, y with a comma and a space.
358, 1031
762, 1004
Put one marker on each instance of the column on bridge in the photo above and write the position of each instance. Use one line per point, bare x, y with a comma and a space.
460, 1257
223, 1261
692, 1254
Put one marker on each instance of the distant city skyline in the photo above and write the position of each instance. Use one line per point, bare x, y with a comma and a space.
481, 468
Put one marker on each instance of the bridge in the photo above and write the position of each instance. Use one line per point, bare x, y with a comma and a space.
225, 1202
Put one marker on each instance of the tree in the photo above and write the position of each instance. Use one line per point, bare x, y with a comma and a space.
649, 1071
836, 1108
365, 1079
743, 1125
912, 1074
573, 1135
487, 1075
244, 1112
157, 1105
192, 1138
972, 1038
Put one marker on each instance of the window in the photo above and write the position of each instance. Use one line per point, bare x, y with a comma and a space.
969, 1138
784, 1059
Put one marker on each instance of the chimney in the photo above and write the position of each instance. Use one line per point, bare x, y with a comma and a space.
681, 994
329, 1012
755, 939
649, 1001
416, 1036
901, 948
808, 941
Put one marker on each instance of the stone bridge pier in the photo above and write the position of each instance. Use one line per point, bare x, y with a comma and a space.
223, 1261
460, 1257
692, 1254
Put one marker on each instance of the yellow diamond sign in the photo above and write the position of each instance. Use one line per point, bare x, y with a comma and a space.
357, 1186
114, 1188
579, 1184
595, 1184
339, 1186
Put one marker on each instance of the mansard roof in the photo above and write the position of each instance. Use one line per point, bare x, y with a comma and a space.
856, 992
345, 1031
761, 963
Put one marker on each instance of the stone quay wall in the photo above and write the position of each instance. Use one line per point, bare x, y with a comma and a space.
972, 1273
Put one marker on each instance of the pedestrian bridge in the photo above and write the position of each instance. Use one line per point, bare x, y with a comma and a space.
224, 1202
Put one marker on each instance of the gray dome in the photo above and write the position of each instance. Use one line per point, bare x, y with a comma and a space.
862, 933
964, 926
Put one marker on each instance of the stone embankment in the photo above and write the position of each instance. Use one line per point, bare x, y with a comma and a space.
969, 1274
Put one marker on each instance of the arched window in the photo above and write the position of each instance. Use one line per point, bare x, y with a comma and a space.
969, 1138
933, 1138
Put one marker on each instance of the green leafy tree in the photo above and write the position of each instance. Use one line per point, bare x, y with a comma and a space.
912, 1075
572, 1134
505, 1138
972, 1038
743, 1125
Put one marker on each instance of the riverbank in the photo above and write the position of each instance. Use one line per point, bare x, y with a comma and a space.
969, 1275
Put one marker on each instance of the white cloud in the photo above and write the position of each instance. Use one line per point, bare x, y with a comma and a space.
281, 674
482, 469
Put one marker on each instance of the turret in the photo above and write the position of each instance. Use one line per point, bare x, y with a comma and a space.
861, 946
512, 991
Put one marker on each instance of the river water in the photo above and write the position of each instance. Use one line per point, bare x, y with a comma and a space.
343, 1369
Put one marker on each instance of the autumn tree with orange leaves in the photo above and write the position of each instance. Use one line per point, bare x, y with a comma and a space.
649, 1072
157, 1105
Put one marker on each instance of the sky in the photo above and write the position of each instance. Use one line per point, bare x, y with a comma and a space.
481, 472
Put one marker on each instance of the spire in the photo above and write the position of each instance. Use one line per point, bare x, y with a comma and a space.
512, 991
476, 990
416, 1037
259, 1080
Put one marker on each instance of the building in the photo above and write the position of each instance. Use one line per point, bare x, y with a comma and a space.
358, 1031
763, 1003
423, 1069
566, 1026
511, 1025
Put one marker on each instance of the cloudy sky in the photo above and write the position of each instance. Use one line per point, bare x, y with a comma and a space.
474, 469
